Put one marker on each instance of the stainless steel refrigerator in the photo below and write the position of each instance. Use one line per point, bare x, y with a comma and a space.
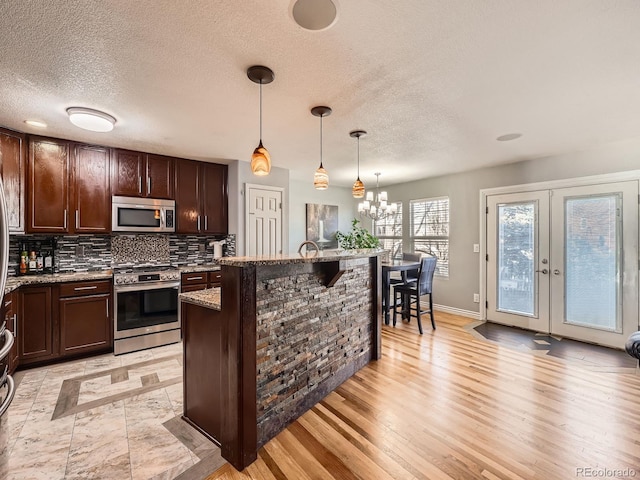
7, 386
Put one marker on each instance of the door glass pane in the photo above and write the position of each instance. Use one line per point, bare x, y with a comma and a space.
592, 259
516, 257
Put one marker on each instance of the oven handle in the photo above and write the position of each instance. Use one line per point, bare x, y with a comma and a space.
137, 287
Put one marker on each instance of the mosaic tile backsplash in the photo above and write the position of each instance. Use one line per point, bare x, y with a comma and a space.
82, 253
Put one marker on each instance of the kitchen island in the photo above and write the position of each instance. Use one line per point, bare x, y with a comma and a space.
279, 335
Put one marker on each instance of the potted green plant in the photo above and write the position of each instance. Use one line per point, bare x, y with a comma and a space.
358, 237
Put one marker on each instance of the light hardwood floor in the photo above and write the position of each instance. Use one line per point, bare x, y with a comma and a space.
446, 405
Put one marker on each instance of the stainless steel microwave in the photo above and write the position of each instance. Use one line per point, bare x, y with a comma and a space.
151, 215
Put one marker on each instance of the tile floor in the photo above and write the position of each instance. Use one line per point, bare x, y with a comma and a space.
106, 417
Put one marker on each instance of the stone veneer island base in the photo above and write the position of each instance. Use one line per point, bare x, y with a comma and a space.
280, 334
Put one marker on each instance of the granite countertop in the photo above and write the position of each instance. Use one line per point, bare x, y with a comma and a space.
209, 298
311, 257
15, 282
205, 267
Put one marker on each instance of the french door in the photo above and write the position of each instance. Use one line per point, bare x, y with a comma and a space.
565, 261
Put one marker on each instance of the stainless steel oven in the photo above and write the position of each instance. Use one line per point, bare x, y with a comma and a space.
146, 310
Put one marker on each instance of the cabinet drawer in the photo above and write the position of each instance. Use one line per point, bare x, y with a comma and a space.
195, 278
90, 287
215, 278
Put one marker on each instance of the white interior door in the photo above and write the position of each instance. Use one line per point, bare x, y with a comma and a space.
594, 269
565, 261
518, 260
264, 221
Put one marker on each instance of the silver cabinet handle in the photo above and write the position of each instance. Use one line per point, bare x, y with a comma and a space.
556, 272
107, 308
544, 271
198, 222
65, 218
206, 222
194, 278
92, 287
140, 185
77, 218
149, 186
15, 325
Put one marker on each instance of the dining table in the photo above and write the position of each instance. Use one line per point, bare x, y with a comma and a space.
387, 268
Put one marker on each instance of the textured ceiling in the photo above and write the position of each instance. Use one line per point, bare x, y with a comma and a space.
433, 82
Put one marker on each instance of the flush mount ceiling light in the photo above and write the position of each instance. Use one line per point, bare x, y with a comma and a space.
314, 14
358, 186
90, 119
508, 137
36, 123
260, 160
321, 178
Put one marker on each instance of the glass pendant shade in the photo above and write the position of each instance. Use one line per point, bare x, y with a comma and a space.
358, 189
260, 161
321, 179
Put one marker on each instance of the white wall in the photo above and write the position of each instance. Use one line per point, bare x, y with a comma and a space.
302, 193
463, 191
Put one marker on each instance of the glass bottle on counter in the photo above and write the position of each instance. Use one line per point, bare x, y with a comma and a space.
23, 262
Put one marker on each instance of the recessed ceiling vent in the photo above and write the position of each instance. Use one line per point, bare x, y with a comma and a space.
314, 14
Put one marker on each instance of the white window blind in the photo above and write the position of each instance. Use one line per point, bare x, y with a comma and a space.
389, 231
430, 230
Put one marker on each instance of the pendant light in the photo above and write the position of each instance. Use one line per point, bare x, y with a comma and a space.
358, 187
260, 160
321, 178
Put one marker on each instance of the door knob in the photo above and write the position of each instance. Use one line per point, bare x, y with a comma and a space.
556, 272
544, 271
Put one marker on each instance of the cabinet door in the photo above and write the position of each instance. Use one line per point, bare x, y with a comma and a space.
48, 186
160, 176
35, 325
91, 186
13, 160
127, 172
188, 197
85, 324
214, 200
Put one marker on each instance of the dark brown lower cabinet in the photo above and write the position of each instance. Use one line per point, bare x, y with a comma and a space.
85, 324
35, 325
203, 392
57, 321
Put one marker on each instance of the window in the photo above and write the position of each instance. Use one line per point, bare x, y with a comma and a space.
430, 230
389, 231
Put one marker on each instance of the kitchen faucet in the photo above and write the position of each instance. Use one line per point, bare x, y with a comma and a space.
308, 242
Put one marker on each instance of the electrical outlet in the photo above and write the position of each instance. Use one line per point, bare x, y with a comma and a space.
476, 298
79, 250
476, 248
201, 247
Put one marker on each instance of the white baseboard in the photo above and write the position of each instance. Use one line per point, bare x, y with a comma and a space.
457, 311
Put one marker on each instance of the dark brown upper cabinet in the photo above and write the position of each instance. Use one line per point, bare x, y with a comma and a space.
136, 174
201, 197
91, 189
48, 186
13, 160
68, 187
